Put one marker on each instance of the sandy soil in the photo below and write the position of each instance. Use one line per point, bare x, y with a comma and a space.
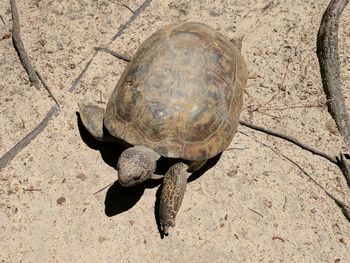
252, 206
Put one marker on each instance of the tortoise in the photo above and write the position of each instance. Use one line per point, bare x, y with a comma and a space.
179, 97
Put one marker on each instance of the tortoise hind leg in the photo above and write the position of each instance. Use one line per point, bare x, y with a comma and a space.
92, 118
173, 191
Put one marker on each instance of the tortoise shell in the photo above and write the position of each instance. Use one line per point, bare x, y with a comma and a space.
181, 94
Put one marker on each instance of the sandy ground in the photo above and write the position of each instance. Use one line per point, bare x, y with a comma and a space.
252, 206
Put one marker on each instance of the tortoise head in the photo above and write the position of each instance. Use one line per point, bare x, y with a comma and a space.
136, 165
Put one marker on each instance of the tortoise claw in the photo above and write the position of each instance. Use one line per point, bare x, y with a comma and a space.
157, 176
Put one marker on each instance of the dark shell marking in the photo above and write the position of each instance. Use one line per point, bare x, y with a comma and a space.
181, 94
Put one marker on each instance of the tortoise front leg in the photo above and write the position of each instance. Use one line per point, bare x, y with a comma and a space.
173, 190
92, 117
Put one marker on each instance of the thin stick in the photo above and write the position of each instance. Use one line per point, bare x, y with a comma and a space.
285, 203
103, 188
33, 75
120, 32
137, 12
285, 71
294, 107
279, 88
4, 160
123, 5
47, 88
22, 53
327, 53
290, 139
113, 53
344, 207
2, 20
255, 212
31, 189
81, 74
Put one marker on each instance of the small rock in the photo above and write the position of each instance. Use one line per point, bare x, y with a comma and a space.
257, 52
72, 66
265, 173
215, 12
70, 125
101, 239
81, 176
6, 35
303, 97
232, 173
61, 200
341, 240
331, 126
42, 42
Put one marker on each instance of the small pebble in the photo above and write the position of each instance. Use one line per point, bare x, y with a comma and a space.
231, 173
81, 176
61, 200
101, 239
6, 35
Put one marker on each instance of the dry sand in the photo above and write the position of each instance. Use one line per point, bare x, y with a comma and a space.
252, 206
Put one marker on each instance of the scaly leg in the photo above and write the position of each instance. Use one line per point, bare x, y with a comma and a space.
174, 187
92, 117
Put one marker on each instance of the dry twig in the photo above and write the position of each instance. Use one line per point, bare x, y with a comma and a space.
4, 160
2, 20
344, 207
113, 53
47, 88
137, 12
340, 161
33, 75
81, 75
256, 212
327, 52
123, 5
330, 158
31, 189
120, 32
279, 88
18, 43
103, 188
